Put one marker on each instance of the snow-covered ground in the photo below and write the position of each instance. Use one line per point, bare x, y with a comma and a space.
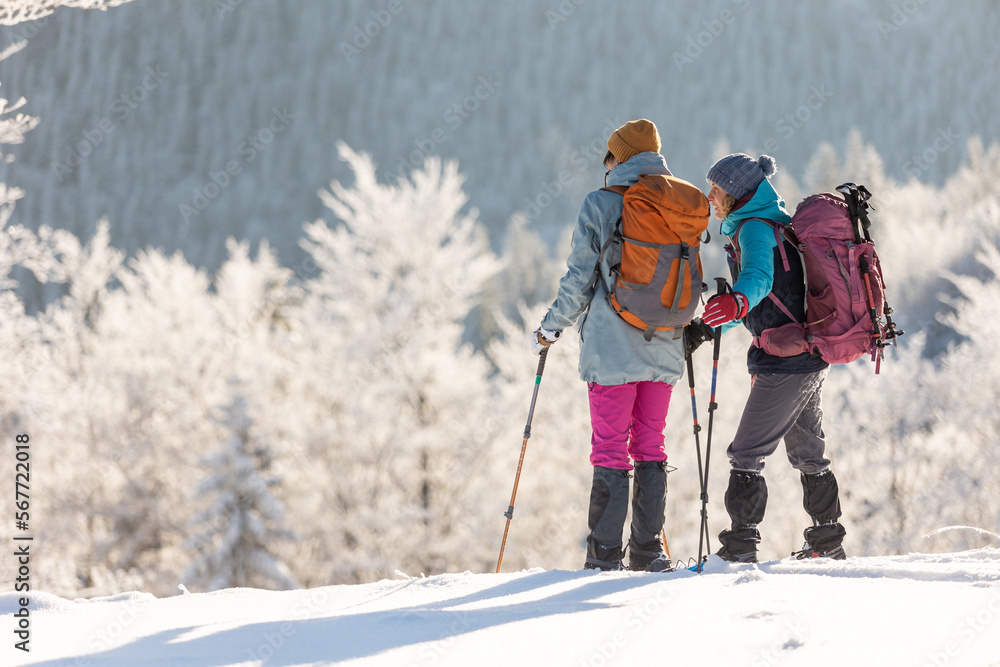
917, 610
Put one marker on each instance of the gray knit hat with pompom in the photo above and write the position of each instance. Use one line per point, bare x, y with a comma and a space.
739, 174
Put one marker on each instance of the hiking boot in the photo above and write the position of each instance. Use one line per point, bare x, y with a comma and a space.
649, 559
836, 553
608, 508
607, 558
660, 564
745, 557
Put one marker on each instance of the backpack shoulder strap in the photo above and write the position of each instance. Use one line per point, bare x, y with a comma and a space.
615, 235
618, 189
779, 237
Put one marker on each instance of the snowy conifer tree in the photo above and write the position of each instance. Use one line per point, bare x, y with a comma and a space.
243, 525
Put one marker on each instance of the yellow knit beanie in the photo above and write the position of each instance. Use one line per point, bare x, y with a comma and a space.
634, 137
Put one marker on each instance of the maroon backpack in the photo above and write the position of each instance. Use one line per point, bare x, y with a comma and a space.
847, 316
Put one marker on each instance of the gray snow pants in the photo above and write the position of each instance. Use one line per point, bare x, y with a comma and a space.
782, 406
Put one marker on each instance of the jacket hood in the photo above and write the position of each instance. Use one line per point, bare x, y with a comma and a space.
766, 203
628, 172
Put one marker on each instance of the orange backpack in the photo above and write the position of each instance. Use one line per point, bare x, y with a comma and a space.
653, 253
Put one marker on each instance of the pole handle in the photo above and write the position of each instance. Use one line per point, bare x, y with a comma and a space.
722, 287
541, 361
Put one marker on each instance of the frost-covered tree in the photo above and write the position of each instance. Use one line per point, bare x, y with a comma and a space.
127, 368
969, 380
402, 402
550, 513
25, 394
396, 441
922, 437
242, 529
528, 275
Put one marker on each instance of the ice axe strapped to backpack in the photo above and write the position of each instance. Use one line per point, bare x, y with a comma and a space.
653, 253
846, 313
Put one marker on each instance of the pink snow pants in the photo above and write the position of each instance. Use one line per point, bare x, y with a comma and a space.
628, 421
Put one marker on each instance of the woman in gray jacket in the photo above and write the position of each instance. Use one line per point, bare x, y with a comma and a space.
630, 379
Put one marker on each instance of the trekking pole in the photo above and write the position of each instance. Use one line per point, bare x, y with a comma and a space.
697, 448
524, 445
703, 536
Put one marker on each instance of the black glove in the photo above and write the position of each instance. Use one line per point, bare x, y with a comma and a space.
695, 334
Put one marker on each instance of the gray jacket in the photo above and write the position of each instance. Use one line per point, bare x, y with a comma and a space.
612, 351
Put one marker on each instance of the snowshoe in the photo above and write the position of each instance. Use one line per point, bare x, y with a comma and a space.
836, 553
746, 557
660, 564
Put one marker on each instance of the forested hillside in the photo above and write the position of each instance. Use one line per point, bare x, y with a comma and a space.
146, 106
252, 350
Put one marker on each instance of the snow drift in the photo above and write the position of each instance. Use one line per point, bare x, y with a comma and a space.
893, 610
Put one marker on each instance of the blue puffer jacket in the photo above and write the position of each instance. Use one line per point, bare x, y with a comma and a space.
612, 351
755, 277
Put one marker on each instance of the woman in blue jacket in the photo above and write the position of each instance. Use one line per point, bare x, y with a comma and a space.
630, 380
786, 395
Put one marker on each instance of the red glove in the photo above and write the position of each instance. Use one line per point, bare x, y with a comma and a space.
723, 308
